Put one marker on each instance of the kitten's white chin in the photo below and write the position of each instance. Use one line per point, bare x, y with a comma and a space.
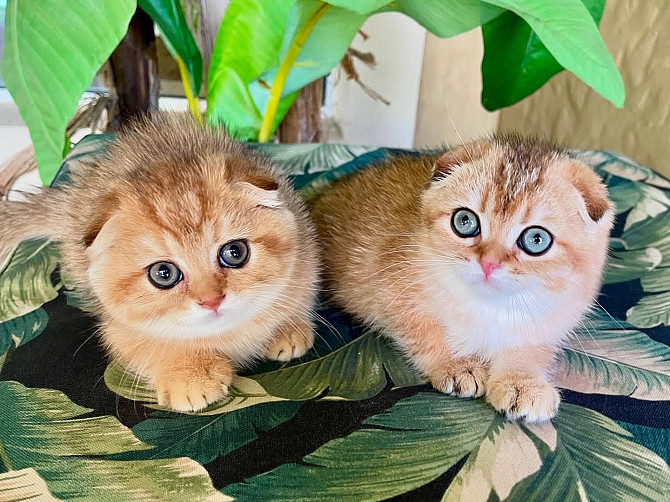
233, 316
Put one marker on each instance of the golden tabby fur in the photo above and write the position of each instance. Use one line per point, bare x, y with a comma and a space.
169, 191
476, 315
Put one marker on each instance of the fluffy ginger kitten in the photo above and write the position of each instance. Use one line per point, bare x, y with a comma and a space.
478, 262
194, 251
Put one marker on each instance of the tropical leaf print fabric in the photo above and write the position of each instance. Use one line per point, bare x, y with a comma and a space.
350, 420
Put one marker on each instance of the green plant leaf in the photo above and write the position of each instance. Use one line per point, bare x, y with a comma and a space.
24, 485
169, 16
204, 438
650, 311
493, 467
516, 63
244, 392
236, 62
650, 233
581, 453
20, 331
609, 357
53, 49
323, 49
355, 371
43, 430
566, 29
240, 76
657, 282
25, 283
446, 19
592, 458
414, 442
624, 193
628, 265
360, 6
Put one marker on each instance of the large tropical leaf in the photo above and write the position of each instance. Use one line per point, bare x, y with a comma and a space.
657, 282
240, 76
446, 19
236, 62
322, 51
356, 371
310, 158
592, 458
25, 283
205, 437
650, 311
650, 233
411, 444
627, 265
621, 166
24, 485
43, 430
360, 6
608, 357
568, 31
53, 48
582, 454
244, 392
21, 330
653, 202
169, 17
359, 370
648, 237
516, 63
494, 467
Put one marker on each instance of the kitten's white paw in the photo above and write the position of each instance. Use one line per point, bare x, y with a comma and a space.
290, 342
194, 387
519, 396
464, 377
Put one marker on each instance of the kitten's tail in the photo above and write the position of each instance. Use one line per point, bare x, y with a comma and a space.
30, 218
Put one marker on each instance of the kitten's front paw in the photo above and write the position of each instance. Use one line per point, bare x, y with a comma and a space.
291, 341
464, 377
519, 396
194, 387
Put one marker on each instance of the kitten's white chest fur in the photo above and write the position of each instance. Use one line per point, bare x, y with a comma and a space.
486, 322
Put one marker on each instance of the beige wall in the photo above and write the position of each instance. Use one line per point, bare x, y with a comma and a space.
449, 109
637, 33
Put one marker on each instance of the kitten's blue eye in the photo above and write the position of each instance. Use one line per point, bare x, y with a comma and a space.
465, 223
535, 241
164, 275
234, 254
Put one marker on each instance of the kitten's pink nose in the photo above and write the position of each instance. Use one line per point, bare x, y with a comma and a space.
488, 267
211, 302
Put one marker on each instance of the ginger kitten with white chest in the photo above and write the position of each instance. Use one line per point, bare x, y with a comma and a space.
195, 253
478, 262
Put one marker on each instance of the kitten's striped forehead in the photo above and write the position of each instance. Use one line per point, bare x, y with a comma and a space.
519, 171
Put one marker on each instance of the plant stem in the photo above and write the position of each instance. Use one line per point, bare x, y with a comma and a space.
193, 105
284, 69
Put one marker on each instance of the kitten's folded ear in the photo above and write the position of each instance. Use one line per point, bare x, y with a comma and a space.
106, 206
262, 188
448, 161
592, 190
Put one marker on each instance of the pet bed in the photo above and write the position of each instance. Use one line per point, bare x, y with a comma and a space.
350, 421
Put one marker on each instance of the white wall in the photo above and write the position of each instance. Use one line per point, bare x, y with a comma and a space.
397, 44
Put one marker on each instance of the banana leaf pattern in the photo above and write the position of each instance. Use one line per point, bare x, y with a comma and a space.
351, 420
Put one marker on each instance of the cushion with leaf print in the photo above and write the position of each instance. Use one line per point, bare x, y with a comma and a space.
351, 420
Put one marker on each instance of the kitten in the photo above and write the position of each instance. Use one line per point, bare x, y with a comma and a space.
478, 262
194, 251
